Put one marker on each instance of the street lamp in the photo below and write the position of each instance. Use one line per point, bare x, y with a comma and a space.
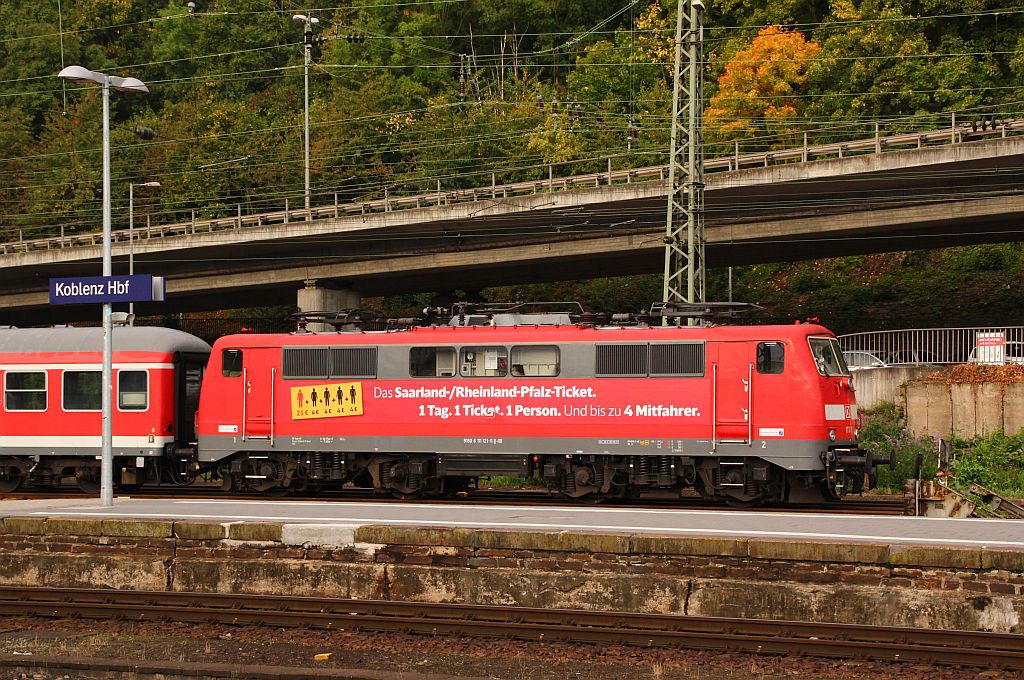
131, 236
307, 42
78, 74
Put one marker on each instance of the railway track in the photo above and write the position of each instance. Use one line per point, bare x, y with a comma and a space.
858, 506
830, 640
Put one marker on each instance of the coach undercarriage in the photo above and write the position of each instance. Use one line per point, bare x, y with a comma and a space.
738, 480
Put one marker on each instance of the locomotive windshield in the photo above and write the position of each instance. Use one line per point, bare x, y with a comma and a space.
828, 357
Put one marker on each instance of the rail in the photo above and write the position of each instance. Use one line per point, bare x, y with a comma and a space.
831, 640
956, 133
932, 345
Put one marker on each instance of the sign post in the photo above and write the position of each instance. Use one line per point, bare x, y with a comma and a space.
106, 290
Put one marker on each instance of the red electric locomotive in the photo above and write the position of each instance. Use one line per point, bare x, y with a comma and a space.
51, 420
741, 413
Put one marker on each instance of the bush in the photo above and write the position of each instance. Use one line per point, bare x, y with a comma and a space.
995, 462
884, 432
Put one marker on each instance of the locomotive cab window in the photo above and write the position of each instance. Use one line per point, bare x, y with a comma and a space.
132, 390
770, 357
25, 391
535, 360
828, 357
480, 362
83, 390
231, 363
426, 362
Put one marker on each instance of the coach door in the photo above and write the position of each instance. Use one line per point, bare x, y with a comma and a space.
259, 374
731, 384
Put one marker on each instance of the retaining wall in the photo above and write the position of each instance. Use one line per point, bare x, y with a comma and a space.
963, 409
870, 583
884, 383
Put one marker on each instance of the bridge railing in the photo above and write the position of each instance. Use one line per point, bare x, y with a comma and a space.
559, 177
932, 345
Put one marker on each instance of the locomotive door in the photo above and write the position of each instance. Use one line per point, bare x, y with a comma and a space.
258, 377
732, 374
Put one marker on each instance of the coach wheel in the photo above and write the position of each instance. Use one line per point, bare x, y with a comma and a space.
87, 479
10, 478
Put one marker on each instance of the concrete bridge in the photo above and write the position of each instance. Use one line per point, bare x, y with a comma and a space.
874, 195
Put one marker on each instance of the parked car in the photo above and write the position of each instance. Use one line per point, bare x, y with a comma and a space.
1013, 354
856, 360
912, 356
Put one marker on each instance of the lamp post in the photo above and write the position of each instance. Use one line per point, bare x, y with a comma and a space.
131, 236
79, 74
307, 41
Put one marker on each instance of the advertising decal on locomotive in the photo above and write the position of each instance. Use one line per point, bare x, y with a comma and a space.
332, 400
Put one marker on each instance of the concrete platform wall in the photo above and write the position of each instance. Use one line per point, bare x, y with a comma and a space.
871, 583
964, 410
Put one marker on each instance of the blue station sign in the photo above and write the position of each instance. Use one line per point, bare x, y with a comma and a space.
104, 289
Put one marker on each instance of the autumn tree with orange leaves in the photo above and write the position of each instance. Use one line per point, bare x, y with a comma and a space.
761, 91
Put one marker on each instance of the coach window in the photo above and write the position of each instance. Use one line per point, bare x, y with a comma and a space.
25, 391
231, 363
484, 362
535, 360
770, 357
437, 362
83, 390
132, 390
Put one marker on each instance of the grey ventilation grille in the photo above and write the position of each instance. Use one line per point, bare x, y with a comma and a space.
677, 359
623, 361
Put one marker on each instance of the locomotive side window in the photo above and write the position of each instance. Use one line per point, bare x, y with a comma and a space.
479, 362
426, 362
83, 390
770, 357
685, 359
828, 357
132, 390
535, 360
231, 363
25, 391
621, 361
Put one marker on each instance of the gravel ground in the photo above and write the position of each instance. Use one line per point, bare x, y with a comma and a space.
504, 659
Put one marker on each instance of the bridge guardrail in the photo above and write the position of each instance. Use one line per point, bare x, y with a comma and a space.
957, 133
931, 345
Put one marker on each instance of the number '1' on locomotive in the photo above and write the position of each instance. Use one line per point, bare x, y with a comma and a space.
746, 414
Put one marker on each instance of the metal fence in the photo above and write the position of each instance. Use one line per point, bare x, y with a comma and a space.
932, 345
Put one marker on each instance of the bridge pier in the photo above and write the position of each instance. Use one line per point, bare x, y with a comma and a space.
322, 296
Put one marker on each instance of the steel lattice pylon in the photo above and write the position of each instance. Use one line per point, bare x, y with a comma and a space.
684, 224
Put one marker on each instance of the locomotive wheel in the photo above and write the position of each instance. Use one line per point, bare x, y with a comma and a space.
10, 478
87, 479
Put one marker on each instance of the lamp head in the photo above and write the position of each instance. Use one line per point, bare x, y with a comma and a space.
80, 74
299, 18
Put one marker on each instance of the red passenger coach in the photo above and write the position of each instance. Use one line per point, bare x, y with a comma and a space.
50, 426
743, 413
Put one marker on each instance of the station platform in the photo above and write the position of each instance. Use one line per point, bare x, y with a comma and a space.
963, 574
